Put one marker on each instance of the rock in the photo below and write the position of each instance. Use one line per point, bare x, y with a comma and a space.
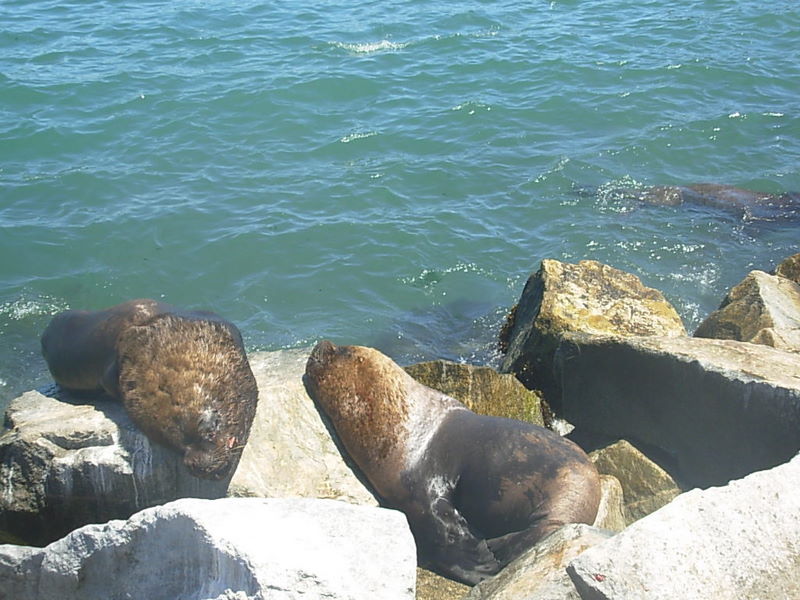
721, 408
64, 464
431, 586
290, 452
737, 541
611, 512
790, 268
229, 548
763, 309
646, 487
481, 389
540, 572
589, 297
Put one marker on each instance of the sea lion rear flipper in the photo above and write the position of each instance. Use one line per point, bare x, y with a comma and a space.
511, 545
458, 552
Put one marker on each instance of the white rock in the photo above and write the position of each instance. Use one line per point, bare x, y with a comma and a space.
231, 548
540, 572
733, 542
64, 464
290, 452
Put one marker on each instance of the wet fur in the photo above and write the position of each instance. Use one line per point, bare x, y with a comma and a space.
477, 490
182, 376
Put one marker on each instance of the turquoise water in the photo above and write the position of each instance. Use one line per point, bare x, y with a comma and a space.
383, 173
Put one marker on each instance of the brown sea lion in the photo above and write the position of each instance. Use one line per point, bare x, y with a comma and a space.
745, 204
477, 490
182, 376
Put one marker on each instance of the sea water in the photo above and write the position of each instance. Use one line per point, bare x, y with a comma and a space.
381, 173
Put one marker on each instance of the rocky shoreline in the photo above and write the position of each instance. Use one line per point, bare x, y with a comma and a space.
666, 417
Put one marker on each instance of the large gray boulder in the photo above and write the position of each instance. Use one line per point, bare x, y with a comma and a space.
721, 408
727, 543
64, 463
541, 571
589, 297
763, 309
223, 549
291, 452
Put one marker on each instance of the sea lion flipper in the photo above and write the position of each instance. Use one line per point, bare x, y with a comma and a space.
508, 546
458, 550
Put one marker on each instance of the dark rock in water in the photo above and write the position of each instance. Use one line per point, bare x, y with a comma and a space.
721, 408
737, 541
589, 297
746, 204
762, 309
482, 389
790, 268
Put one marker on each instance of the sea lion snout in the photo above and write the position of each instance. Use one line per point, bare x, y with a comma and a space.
319, 359
203, 460
323, 352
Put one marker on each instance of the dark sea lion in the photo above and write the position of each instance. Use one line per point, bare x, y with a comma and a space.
747, 205
477, 490
182, 376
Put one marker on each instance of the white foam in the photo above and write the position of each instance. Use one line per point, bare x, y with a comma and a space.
357, 136
22, 308
370, 47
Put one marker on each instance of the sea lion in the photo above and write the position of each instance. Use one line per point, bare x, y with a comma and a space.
747, 205
477, 490
182, 376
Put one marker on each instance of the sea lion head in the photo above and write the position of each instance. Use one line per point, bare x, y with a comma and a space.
187, 384
365, 395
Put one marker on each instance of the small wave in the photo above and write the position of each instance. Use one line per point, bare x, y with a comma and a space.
358, 135
22, 308
428, 278
370, 47
471, 107
612, 192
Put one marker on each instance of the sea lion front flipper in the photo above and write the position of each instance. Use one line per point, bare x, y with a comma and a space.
457, 551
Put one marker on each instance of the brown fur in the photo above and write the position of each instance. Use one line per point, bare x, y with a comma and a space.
368, 404
183, 377
477, 491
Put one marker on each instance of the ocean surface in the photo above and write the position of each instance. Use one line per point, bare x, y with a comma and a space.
381, 173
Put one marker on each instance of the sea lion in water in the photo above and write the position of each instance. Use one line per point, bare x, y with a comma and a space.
182, 376
747, 205
477, 490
